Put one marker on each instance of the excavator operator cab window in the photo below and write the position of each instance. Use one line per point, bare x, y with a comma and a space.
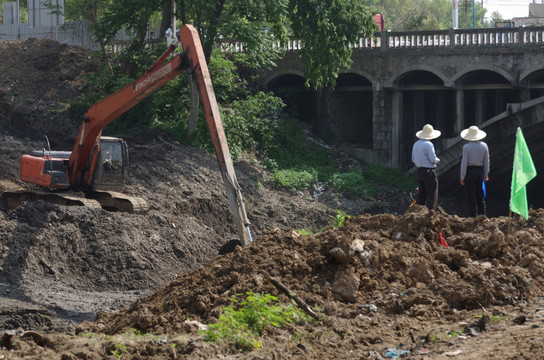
110, 167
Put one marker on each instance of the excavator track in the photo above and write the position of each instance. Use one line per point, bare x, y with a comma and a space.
14, 198
111, 201
116, 201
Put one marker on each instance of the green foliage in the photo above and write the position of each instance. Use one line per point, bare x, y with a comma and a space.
306, 232
453, 333
340, 218
131, 16
241, 324
144, 115
425, 14
296, 178
120, 349
495, 319
352, 184
254, 123
378, 174
326, 30
489, 22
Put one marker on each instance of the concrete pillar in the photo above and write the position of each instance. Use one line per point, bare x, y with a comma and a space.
420, 115
396, 128
524, 95
479, 107
11, 13
500, 105
440, 98
40, 15
459, 111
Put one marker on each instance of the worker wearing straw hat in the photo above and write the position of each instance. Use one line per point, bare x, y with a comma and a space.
475, 169
425, 159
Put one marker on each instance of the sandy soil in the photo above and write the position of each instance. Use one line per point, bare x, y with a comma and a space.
84, 283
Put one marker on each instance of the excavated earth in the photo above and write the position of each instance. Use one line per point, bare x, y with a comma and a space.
84, 283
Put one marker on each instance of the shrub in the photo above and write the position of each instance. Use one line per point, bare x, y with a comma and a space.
351, 184
241, 326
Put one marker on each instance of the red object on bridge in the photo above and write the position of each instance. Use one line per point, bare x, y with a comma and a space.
378, 19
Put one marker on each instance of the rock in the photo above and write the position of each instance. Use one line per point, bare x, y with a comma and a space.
345, 286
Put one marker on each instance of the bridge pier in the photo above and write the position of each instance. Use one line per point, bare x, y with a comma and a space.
459, 111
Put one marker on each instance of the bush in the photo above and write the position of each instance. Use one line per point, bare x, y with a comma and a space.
242, 326
378, 174
352, 184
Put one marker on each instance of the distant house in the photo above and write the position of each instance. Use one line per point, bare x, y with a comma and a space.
535, 18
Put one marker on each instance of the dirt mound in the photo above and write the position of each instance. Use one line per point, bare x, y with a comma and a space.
38, 79
394, 263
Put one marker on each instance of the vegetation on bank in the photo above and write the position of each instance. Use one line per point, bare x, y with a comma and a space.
244, 322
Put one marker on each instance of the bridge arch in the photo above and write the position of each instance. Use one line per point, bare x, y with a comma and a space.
532, 81
398, 75
420, 98
484, 92
482, 67
299, 100
351, 110
281, 72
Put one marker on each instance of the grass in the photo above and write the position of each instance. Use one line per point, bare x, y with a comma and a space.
296, 164
244, 321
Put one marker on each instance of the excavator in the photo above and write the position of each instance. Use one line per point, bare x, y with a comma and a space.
97, 164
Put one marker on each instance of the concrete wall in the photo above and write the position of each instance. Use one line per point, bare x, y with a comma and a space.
11, 13
39, 15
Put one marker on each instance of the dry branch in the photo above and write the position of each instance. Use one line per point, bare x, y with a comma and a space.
301, 303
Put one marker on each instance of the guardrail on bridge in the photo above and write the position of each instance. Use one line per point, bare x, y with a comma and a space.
453, 38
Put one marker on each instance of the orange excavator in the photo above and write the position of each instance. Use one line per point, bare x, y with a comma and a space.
97, 164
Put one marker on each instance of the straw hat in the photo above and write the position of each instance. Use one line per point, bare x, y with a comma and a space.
428, 133
473, 134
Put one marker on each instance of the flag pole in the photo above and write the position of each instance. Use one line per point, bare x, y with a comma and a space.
509, 227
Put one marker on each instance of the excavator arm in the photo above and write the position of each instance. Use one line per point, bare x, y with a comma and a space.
99, 115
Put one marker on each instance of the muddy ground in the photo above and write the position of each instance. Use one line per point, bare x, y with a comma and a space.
86, 283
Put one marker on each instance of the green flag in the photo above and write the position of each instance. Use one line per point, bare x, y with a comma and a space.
524, 171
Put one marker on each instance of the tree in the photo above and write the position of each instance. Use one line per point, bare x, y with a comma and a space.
325, 27
495, 18
414, 14
326, 30
426, 14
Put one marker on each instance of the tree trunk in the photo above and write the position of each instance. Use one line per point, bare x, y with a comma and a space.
166, 20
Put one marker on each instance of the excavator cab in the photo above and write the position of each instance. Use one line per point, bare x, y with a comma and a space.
111, 165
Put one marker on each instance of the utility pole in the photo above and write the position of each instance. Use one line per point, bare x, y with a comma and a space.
473, 15
455, 14
174, 17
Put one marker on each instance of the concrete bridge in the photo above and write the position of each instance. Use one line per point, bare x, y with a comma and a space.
452, 79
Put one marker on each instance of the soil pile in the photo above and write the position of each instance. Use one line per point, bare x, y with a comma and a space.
38, 79
382, 284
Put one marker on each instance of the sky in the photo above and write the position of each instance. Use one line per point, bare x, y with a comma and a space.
507, 8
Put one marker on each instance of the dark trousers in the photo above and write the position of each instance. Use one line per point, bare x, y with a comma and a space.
428, 188
475, 192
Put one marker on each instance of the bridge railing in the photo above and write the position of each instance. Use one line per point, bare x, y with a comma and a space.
453, 38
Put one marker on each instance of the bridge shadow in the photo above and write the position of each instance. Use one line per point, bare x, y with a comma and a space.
501, 136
